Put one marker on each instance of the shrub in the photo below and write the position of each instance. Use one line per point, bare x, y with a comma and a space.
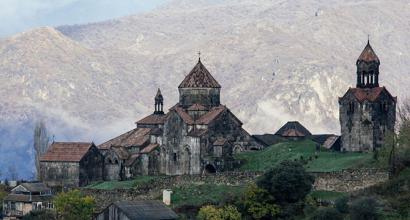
326, 214
210, 212
288, 182
258, 203
365, 208
40, 215
341, 204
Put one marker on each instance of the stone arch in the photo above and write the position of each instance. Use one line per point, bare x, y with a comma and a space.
209, 168
186, 160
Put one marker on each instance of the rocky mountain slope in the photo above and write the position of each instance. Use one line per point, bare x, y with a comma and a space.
276, 61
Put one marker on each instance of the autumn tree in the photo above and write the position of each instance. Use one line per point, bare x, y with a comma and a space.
41, 143
73, 205
258, 203
210, 212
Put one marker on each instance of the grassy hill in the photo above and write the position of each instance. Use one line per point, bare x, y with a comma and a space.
324, 161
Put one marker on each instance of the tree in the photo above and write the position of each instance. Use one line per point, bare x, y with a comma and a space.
210, 212
72, 205
326, 214
13, 172
365, 208
259, 204
41, 143
288, 182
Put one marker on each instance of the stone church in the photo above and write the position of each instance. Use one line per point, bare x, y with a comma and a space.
368, 111
196, 135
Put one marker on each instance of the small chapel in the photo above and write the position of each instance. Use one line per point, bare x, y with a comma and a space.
368, 111
197, 135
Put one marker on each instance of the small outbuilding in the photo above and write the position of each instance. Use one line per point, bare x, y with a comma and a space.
293, 130
25, 198
71, 164
133, 210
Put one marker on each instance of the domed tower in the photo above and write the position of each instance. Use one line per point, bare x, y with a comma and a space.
368, 112
199, 87
367, 68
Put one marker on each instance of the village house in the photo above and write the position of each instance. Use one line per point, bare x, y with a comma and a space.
196, 135
25, 198
368, 111
136, 210
71, 164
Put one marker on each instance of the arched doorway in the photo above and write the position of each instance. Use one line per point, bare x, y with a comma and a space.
210, 169
186, 161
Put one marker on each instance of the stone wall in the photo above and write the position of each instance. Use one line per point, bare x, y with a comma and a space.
341, 181
349, 180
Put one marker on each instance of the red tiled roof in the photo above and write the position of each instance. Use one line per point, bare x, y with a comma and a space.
66, 151
293, 129
220, 142
369, 94
199, 77
211, 115
183, 114
121, 152
197, 107
149, 148
132, 159
153, 119
368, 54
135, 137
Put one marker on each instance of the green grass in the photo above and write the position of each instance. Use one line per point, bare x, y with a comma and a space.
197, 195
326, 161
109, 185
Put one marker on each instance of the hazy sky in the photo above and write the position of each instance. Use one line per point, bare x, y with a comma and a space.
19, 15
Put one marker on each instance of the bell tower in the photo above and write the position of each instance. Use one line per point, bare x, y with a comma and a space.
368, 68
159, 103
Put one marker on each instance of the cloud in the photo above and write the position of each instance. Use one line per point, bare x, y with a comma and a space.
19, 15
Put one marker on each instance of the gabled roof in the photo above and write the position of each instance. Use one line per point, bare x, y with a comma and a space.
183, 114
369, 94
66, 151
121, 152
31, 187
293, 129
211, 115
220, 142
28, 198
368, 54
199, 77
135, 137
148, 210
153, 119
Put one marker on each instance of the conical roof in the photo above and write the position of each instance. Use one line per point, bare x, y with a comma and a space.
368, 54
199, 77
293, 129
158, 96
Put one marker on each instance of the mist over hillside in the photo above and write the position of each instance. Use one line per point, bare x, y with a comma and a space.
276, 61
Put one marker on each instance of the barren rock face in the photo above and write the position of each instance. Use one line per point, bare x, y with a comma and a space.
275, 60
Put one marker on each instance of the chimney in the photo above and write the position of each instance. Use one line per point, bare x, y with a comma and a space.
166, 196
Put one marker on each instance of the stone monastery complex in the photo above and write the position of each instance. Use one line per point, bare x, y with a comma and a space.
201, 135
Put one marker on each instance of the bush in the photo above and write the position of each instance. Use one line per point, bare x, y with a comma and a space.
288, 182
210, 212
365, 208
326, 214
40, 215
73, 205
258, 203
341, 204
